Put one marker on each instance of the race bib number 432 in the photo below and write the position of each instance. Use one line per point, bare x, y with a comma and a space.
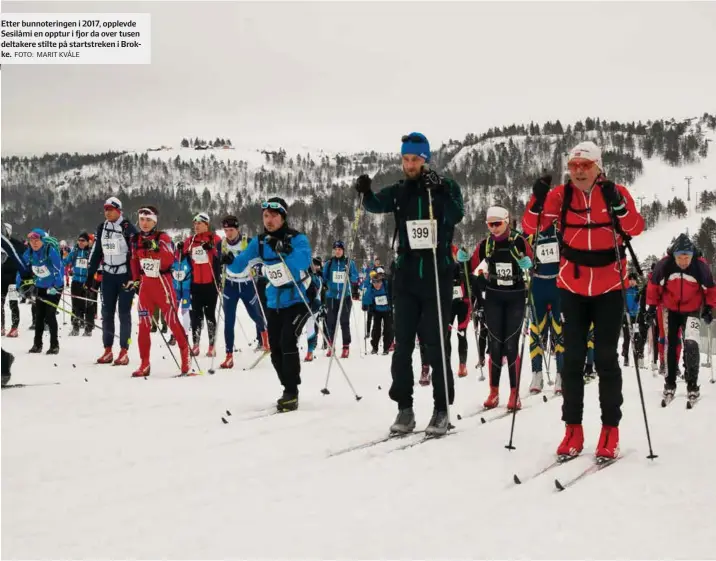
504, 274
422, 234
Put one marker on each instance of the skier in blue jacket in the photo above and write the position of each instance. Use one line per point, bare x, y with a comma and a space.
181, 274
82, 308
334, 275
377, 301
286, 255
632, 299
47, 284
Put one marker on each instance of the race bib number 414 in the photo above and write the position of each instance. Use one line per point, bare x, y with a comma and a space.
548, 252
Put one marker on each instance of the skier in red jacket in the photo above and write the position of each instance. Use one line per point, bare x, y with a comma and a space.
682, 282
591, 280
201, 250
151, 266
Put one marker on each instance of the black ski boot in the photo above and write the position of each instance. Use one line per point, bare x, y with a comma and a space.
88, 332
287, 402
404, 422
75, 331
8, 359
35, 349
54, 349
438, 425
374, 351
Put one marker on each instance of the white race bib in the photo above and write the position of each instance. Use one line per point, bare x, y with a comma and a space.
110, 246
179, 276
41, 271
150, 267
339, 277
81, 263
381, 300
422, 234
199, 255
277, 274
12, 294
635, 328
504, 274
548, 252
456, 292
693, 329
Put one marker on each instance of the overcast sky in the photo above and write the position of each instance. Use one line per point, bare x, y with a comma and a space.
349, 76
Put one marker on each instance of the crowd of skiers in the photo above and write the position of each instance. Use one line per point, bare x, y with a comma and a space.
565, 270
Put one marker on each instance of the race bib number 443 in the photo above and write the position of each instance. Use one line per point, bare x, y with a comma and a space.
422, 234
277, 274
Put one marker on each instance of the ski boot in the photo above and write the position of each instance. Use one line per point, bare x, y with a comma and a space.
6, 369
13, 332
53, 350
693, 392
573, 442
493, 400
265, 341
287, 402
142, 371
211, 351
404, 422
107, 357
185, 359
558, 384
195, 350
172, 341
425, 375
438, 425
462, 370
75, 331
122, 359
668, 394
329, 352
374, 351
228, 361
165, 329
308, 357
346, 351
514, 401
608, 446
386, 352
35, 349
662, 368
87, 332
537, 383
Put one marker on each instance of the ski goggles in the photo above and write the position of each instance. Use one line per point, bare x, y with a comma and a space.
273, 205
34, 236
201, 217
495, 224
414, 138
580, 165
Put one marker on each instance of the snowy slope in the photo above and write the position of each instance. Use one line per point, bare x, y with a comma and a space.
104, 466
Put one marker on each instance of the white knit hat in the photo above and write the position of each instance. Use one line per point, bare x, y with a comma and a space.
587, 150
497, 212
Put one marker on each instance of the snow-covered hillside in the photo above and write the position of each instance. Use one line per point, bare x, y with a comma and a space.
104, 466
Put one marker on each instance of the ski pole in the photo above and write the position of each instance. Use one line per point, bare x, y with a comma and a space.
615, 223
441, 327
310, 312
710, 356
474, 321
170, 300
332, 342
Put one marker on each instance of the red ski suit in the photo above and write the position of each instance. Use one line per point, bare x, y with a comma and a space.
588, 236
153, 268
205, 265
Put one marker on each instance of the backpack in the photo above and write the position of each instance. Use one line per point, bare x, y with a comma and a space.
490, 246
50, 241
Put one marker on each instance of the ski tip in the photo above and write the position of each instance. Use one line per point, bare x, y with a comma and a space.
558, 485
223, 420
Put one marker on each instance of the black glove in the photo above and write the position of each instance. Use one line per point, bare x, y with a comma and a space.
208, 246
363, 184
227, 258
150, 244
540, 188
612, 197
279, 246
431, 179
707, 315
650, 314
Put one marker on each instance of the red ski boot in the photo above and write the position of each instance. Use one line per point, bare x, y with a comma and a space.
265, 341
608, 446
122, 359
142, 371
493, 400
573, 442
13, 332
329, 352
309, 357
107, 357
185, 359
211, 351
346, 352
195, 350
462, 371
229, 362
514, 401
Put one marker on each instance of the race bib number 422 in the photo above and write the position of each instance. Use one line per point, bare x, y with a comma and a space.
422, 234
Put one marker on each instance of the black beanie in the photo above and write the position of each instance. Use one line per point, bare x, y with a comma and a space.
83, 236
682, 244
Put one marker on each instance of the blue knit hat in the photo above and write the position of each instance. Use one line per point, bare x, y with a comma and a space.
416, 143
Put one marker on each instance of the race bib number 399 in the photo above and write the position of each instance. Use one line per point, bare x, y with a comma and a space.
548, 252
277, 274
422, 234
693, 329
